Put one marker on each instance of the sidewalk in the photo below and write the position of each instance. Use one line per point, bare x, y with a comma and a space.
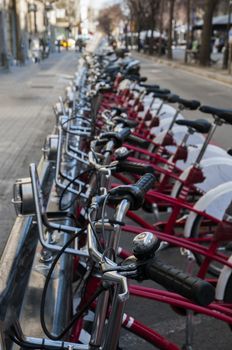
207, 72
27, 95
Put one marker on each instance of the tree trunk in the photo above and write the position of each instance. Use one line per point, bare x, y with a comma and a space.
3, 46
152, 26
205, 48
189, 3
170, 27
161, 26
20, 44
151, 43
139, 40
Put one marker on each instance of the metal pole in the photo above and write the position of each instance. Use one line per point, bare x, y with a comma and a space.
188, 31
205, 144
229, 39
226, 57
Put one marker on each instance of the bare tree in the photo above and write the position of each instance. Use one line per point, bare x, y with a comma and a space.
205, 49
3, 45
161, 26
153, 6
137, 10
189, 3
109, 18
20, 35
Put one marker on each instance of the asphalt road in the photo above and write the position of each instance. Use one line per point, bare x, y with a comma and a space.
208, 333
192, 86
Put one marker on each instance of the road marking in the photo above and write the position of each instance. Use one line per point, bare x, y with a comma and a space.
156, 71
42, 87
45, 75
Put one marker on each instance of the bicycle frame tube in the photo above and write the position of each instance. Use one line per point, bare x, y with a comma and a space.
184, 243
120, 290
218, 311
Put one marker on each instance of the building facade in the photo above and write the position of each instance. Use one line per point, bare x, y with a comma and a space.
23, 20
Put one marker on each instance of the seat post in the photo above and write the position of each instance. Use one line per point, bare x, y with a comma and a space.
213, 128
160, 107
189, 132
174, 119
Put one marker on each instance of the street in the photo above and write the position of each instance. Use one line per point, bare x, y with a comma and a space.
208, 333
49, 291
192, 86
26, 98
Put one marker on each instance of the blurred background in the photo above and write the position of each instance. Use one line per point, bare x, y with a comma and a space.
194, 32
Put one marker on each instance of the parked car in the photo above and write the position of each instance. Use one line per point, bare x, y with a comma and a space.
70, 43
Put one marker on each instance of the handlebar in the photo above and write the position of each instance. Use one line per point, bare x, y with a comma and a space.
179, 282
133, 139
117, 137
133, 193
134, 168
104, 262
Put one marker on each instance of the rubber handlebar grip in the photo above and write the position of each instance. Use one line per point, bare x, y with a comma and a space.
193, 288
138, 141
133, 193
145, 183
135, 168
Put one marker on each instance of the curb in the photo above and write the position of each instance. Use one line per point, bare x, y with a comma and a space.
194, 70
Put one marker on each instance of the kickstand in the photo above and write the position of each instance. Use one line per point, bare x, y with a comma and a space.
188, 331
189, 313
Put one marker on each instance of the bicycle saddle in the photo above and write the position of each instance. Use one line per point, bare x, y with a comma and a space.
189, 104
158, 92
133, 77
199, 125
171, 98
225, 114
149, 86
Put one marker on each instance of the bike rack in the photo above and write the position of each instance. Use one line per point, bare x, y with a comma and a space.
25, 262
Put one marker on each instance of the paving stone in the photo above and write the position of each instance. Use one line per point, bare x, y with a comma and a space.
27, 95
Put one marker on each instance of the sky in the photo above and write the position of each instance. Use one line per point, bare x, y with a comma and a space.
103, 3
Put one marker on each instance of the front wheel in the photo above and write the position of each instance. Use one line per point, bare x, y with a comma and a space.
204, 230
